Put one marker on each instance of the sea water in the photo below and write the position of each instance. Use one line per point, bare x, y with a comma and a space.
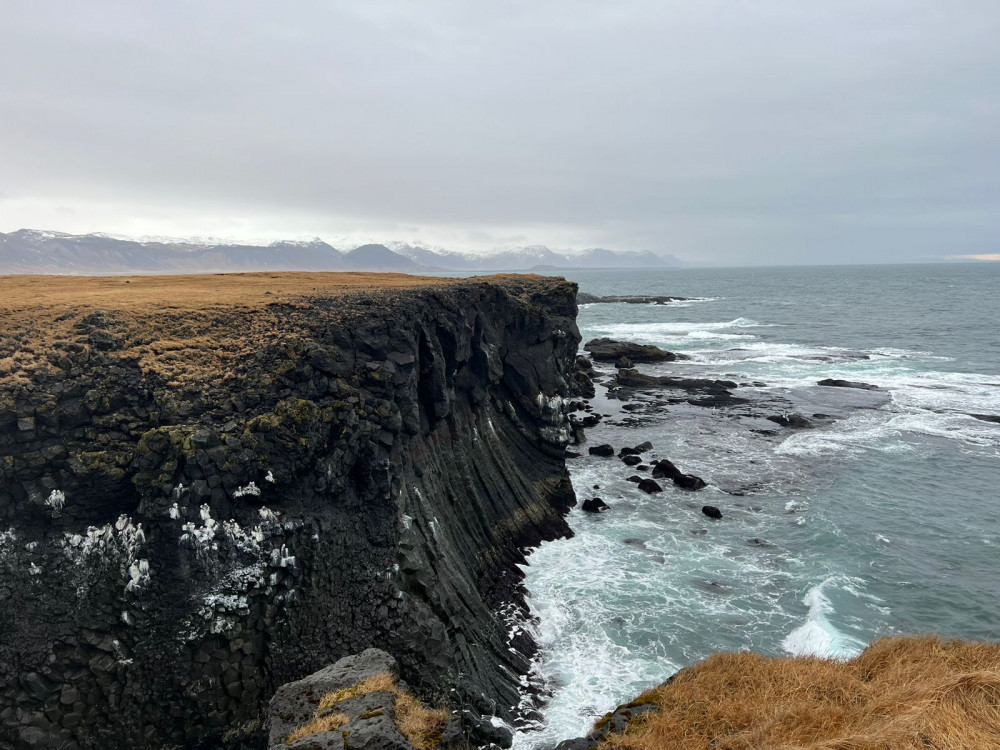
882, 519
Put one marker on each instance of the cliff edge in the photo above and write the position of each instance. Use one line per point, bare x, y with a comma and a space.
211, 486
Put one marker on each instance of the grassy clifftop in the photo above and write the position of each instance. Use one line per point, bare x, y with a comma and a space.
901, 693
188, 329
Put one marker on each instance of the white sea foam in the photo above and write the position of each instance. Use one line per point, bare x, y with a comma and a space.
817, 636
670, 329
718, 336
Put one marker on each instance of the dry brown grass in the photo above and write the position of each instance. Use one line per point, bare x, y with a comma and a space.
188, 329
420, 725
185, 328
900, 693
317, 726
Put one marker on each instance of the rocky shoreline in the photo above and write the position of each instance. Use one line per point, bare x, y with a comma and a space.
364, 468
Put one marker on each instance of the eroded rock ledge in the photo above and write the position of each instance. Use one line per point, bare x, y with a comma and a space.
207, 494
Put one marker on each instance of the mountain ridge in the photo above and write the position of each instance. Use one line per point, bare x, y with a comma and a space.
39, 251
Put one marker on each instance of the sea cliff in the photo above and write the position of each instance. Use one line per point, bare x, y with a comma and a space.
211, 486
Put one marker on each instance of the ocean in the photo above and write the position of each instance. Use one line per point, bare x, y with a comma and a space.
883, 518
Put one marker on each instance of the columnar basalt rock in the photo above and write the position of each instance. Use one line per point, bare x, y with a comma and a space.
172, 551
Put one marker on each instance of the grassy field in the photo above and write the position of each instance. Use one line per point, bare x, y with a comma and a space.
182, 327
901, 693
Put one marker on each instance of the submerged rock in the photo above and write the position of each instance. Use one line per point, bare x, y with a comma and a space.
994, 418
793, 421
835, 383
713, 393
584, 298
711, 511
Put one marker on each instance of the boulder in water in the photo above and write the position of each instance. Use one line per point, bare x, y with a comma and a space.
650, 486
631, 460
690, 482
624, 363
604, 451
665, 468
712, 512
595, 505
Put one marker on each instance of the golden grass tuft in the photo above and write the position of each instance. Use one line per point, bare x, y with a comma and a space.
420, 725
901, 693
317, 726
376, 684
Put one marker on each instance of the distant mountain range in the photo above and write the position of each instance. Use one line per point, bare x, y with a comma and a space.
34, 251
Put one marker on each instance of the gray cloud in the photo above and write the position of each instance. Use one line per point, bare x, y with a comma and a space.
764, 132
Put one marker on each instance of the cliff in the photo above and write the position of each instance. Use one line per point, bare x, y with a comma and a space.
211, 486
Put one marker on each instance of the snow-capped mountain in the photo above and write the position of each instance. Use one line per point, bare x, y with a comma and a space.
532, 257
35, 251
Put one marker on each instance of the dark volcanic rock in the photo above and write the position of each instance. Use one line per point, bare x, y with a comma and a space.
605, 451
186, 543
584, 299
665, 468
595, 505
834, 383
794, 421
609, 350
615, 722
994, 418
631, 460
689, 482
624, 363
711, 511
649, 485
294, 703
714, 393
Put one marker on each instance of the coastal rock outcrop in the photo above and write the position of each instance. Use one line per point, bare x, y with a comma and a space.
712, 393
835, 383
213, 486
609, 350
587, 299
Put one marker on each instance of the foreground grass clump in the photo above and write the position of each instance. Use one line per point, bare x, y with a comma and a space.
317, 726
901, 693
421, 726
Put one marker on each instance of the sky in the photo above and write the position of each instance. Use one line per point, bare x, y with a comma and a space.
723, 132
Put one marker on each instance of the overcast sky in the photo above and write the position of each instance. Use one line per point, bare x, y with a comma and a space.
735, 132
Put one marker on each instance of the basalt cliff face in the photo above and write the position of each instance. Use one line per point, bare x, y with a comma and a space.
207, 493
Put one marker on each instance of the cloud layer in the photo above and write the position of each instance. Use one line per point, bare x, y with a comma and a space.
722, 132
